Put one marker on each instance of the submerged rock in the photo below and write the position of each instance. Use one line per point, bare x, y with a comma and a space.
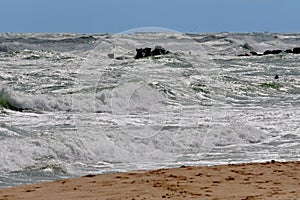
272, 85
111, 55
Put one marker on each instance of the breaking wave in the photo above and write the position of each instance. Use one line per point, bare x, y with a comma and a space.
17, 101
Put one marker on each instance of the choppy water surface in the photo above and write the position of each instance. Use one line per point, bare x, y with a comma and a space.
67, 109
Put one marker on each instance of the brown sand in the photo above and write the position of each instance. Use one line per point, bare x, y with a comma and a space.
272, 180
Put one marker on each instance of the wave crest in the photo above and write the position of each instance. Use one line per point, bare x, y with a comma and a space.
12, 100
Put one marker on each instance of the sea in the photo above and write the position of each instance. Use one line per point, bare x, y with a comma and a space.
77, 104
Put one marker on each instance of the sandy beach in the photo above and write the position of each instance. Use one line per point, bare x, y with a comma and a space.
270, 180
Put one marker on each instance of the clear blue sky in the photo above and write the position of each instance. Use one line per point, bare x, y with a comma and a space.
102, 16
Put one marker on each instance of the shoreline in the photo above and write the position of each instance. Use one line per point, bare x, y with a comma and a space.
270, 180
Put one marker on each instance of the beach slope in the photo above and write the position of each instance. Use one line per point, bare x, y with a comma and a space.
271, 180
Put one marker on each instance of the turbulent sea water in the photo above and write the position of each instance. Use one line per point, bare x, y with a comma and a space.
67, 109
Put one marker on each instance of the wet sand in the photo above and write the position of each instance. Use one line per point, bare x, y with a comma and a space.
271, 180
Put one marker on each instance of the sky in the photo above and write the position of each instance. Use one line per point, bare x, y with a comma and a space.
114, 16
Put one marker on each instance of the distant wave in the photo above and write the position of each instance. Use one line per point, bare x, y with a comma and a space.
13, 42
231, 42
4, 48
37, 40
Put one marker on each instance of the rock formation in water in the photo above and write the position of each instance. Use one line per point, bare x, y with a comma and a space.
296, 50
146, 52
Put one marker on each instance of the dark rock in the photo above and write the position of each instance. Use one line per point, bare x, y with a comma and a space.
111, 55
139, 53
159, 51
273, 52
276, 76
288, 51
253, 53
146, 52
245, 54
142, 53
296, 50
122, 58
90, 175
267, 52
276, 51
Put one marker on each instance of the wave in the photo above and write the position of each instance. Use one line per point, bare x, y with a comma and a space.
184, 106
55, 151
115, 148
7, 101
38, 39
4, 48
224, 43
47, 42
12, 100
